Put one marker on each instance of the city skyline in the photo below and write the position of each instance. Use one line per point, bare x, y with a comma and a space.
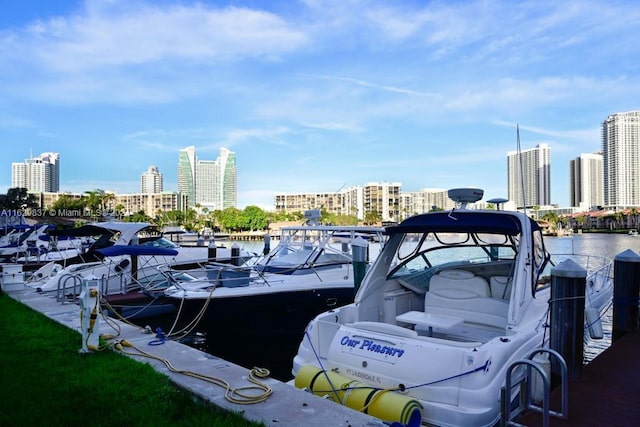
313, 96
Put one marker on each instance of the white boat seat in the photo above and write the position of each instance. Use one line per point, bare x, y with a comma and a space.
461, 293
500, 287
480, 310
459, 284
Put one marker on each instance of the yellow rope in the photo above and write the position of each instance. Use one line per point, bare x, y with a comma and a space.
234, 395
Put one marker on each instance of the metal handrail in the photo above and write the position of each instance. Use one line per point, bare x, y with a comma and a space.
525, 401
62, 285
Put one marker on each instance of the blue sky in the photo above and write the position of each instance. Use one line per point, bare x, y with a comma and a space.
312, 95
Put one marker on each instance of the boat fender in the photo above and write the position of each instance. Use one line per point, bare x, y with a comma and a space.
386, 405
594, 323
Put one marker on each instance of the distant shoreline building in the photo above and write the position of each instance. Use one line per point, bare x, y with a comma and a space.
37, 174
187, 174
586, 181
529, 177
151, 181
621, 157
385, 199
210, 184
151, 204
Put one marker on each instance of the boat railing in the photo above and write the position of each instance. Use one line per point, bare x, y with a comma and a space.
592, 263
599, 268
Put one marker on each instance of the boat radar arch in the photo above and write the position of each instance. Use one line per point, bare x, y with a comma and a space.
498, 201
464, 196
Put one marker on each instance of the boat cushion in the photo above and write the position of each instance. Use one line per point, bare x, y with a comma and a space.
459, 284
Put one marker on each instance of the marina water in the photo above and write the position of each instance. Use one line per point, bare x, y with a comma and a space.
595, 244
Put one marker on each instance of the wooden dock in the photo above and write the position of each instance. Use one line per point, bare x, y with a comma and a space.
608, 394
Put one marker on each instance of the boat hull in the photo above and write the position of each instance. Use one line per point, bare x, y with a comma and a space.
263, 329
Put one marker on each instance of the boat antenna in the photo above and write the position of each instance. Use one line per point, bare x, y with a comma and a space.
322, 205
524, 196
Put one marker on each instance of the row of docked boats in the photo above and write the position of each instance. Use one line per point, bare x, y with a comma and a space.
448, 302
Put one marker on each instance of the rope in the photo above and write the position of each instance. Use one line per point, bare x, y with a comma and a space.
238, 395
306, 333
161, 338
186, 330
566, 299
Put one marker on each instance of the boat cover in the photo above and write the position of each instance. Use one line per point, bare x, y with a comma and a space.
116, 250
463, 221
84, 231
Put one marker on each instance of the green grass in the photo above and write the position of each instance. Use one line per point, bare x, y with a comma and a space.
45, 381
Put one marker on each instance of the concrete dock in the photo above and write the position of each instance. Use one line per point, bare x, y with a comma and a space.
286, 406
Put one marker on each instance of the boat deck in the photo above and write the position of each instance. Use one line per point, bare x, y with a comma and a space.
608, 392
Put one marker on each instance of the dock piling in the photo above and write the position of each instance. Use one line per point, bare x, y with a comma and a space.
626, 291
568, 283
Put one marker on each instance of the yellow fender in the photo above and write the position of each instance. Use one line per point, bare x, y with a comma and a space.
384, 404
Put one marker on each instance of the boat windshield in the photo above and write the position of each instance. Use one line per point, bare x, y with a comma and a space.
158, 242
429, 251
306, 255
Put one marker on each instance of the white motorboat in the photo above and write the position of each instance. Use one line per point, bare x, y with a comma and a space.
114, 267
452, 301
269, 303
24, 240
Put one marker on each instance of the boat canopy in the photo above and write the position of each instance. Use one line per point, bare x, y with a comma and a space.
462, 221
84, 231
116, 250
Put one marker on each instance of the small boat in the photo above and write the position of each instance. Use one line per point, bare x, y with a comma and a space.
452, 301
633, 232
255, 315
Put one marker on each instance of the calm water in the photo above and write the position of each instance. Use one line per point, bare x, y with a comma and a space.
607, 245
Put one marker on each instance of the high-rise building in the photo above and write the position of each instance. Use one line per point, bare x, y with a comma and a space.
529, 176
382, 199
37, 174
210, 184
151, 181
187, 174
207, 184
586, 183
228, 179
425, 200
621, 159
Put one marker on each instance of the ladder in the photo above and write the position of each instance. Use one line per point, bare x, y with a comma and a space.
526, 400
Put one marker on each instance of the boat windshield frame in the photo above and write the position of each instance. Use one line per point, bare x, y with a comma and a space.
430, 251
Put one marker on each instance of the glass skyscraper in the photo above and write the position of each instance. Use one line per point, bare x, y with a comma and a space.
210, 184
